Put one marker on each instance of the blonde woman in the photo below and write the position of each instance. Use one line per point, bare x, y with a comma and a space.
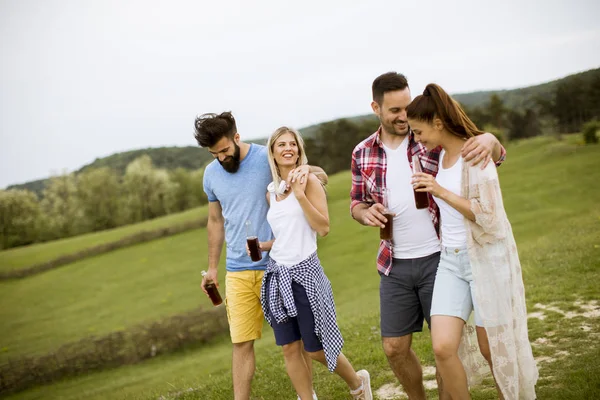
296, 295
479, 267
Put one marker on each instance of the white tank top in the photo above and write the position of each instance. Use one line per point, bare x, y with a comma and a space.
295, 240
454, 232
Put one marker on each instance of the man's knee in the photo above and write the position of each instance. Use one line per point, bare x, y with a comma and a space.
244, 347
397, 348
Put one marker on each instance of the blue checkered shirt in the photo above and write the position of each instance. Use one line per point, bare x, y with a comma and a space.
280, 300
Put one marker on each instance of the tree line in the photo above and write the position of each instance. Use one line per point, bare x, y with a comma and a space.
566, 108
102, 197
97, 199
570, 105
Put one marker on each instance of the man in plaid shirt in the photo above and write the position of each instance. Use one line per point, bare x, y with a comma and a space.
408, 263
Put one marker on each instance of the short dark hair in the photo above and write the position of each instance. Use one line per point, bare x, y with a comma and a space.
210, 128
388, 82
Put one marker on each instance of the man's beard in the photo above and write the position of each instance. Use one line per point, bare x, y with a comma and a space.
392, 130
232, 163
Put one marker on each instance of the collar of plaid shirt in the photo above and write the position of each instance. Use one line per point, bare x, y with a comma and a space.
369, 165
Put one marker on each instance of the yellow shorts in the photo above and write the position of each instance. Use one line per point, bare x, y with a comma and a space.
242, 300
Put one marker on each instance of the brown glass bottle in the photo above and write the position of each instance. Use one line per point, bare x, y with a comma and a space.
252, 241
213, 292
421, 198
387, 232
253, 246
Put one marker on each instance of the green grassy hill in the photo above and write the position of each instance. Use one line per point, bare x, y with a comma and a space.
551, 196
28, 255
523, 97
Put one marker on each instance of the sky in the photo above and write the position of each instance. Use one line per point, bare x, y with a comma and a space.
83, 79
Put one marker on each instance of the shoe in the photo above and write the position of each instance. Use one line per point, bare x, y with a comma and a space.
314, 396
364, 391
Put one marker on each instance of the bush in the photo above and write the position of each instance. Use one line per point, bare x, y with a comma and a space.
115, 349
589, 132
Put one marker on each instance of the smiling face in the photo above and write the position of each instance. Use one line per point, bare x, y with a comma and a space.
392, 111
227, 152
286, 151
429, 134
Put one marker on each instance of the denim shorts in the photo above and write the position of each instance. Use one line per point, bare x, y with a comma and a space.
453, 291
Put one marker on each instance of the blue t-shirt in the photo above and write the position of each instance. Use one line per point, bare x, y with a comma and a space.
242, 195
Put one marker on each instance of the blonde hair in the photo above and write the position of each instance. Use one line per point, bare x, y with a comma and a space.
302, 160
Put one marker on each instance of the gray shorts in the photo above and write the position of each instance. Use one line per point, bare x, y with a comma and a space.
405, 295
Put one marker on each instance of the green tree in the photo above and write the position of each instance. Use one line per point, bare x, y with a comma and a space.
61, 208
99, 191
149, 193
333, 144
496, 111
19, 212
183, 189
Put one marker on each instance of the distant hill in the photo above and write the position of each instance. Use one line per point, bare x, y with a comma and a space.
311, 130
188, 157
524, 97
192, 157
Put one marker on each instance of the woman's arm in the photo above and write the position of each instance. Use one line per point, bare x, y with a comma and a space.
312, 199
423, 182
457, 202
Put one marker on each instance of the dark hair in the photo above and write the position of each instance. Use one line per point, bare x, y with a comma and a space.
388, 82
210, 128
436, 103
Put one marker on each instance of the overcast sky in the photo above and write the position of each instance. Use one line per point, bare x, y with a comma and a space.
85, 79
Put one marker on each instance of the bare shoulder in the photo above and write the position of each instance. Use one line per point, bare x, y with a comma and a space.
314, 181
314, 185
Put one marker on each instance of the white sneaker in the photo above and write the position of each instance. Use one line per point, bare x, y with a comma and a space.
314, 396
364, 391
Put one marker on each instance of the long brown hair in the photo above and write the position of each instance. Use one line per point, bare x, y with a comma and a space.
436, 103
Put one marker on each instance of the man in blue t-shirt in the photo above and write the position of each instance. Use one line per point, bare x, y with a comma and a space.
236, 185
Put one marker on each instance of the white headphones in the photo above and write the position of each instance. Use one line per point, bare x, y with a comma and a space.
280, 190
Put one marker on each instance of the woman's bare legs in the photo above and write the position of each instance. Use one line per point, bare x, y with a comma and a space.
446, 332
297, 370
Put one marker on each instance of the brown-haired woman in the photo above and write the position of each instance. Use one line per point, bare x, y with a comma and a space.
479, 266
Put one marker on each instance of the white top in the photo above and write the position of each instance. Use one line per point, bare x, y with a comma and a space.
454, 233
414, 233
295, 240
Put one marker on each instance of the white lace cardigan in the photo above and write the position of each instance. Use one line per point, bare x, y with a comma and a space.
499, 291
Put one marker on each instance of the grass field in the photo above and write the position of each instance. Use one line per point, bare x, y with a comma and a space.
28, 255
551, 194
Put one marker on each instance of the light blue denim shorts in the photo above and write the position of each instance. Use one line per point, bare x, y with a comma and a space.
453, 291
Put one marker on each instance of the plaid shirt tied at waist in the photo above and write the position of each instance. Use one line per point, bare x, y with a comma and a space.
280, 301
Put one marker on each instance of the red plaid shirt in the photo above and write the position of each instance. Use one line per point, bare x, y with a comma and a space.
369, 167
